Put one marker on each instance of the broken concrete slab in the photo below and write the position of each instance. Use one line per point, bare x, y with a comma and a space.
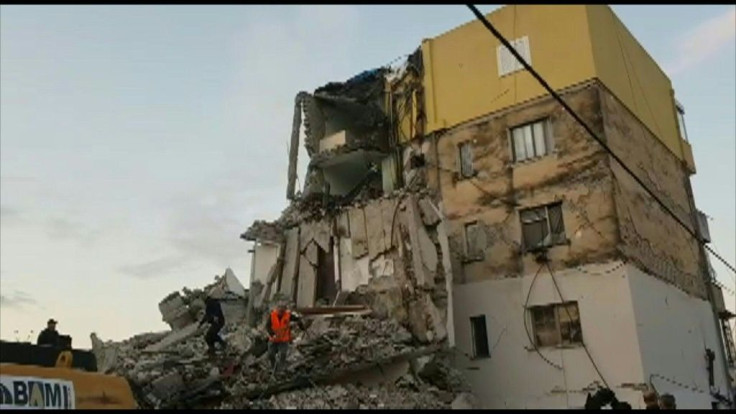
343, 225
374, 229
307, 277
430, 214
388, 208
306, 235
291, 262
323, 234
166, 387
173, 338
358, 232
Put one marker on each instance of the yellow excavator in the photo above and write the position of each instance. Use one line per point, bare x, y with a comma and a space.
33, 376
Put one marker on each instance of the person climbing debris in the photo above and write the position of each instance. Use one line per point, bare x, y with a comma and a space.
214, 316
279, 331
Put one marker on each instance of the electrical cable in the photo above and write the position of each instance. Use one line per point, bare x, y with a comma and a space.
585, 347
526, 327
590, 131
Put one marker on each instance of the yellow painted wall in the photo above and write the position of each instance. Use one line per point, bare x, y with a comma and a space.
626, 69
569, 44
461, 79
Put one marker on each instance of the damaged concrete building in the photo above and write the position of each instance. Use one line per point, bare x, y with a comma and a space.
455, 196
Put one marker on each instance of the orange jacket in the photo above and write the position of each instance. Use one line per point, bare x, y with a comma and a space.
281, 327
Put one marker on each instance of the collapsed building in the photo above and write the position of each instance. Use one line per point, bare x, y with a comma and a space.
452, 195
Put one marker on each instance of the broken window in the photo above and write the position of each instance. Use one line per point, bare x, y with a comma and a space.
474, 241
557, 324
531, 140
542, 226
681, 120
480, 337
466, 159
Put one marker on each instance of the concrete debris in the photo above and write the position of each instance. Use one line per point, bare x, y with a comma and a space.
342, 360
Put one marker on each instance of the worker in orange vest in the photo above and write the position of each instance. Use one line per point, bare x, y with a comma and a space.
279, 334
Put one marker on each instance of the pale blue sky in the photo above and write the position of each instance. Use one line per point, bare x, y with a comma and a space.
138, 142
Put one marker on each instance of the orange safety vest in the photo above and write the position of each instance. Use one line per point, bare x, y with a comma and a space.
281, 327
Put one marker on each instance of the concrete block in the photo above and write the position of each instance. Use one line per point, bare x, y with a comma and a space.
306, 234
343, 225
173, 338
358, 232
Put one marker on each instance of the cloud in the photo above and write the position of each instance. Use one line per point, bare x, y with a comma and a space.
704, 41
64, 229
18, 299
154, 268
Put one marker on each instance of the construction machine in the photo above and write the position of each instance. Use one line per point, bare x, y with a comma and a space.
33, 376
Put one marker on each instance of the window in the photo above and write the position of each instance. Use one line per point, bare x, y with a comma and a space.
480, 337
557, 324
542, 226
506, 61
681, 120
466, 159
475, 241
531, 140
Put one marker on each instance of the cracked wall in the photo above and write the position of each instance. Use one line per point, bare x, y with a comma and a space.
649, 235
575, 173
391, 254
606, 215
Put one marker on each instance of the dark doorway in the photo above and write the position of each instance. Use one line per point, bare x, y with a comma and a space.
326, 286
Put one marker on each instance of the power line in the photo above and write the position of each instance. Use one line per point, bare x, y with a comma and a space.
569, 316
590, 131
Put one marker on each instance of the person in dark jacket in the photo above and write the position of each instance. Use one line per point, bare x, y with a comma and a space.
49, 336
214, 316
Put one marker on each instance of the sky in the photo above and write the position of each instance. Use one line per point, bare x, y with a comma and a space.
138, 142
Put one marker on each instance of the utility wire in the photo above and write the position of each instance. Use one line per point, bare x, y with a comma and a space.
569, 316
590, 131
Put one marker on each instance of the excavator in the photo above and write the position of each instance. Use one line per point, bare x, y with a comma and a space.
47, 377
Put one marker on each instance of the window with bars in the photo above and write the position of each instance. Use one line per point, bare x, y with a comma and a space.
531, 140
542, 226
557, 324
466, 159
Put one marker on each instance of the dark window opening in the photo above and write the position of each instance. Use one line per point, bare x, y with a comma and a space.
326, 288
542, 226
557, 324
480, 337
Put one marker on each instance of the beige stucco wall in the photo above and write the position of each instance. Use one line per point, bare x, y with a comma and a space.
605, 213
633, 324
576, 173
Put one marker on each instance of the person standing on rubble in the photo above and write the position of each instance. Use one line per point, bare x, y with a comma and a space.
214, 316
279, 334
49, 336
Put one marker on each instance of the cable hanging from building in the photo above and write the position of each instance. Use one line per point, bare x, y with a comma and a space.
590, 131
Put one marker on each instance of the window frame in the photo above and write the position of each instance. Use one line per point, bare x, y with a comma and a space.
560, 342
477, 319
555, 239
548, 140
461, 173
472, 256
